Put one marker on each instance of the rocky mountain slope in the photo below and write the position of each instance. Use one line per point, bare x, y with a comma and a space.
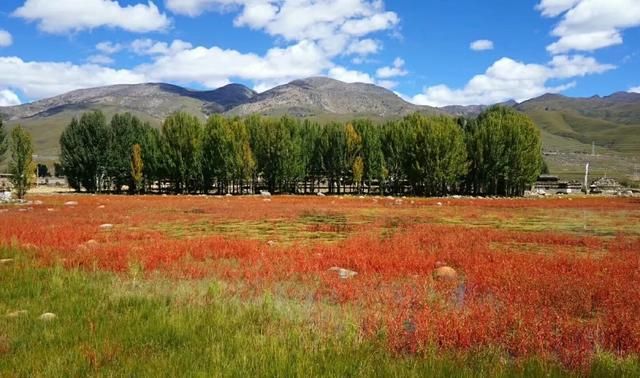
318, 97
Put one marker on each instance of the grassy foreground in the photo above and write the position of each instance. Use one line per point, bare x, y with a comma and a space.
110, 325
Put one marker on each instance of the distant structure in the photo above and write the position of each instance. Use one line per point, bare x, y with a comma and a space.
605, 185
551, 184
5, 188
5, 182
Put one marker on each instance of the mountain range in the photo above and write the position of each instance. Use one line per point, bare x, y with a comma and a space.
568, 125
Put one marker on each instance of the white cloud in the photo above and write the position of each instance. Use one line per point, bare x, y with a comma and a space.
393, 71
197, 7
588, 25
364, 47
151, 47
553, 8
349, 76
104, 60
508, 79
108, 47
9, 98
5, 38
76, 15
635, 89
481, 45
44, 79
335, 25
388, 84
210, 66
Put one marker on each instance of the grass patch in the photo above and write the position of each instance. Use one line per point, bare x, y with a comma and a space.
109, 326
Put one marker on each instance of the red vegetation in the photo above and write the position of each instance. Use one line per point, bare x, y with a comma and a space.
549, 294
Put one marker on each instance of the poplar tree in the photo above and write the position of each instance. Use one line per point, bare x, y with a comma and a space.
21, 166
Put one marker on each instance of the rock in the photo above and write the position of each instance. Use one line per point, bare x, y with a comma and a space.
320, 194
271, 243
228, 195
361, 197
71, 203
265, 193
439, 203
5, 261
267, 200
16, 314
38, 202
106, 227
50, 210
101, 207
343, 273
48, 316
445, 273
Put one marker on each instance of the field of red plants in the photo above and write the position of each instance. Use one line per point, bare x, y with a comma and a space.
556, 279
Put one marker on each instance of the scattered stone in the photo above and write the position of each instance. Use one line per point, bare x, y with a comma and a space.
16, 314
320, 194
50, 210
5, 261
106, 227
445, 273
271, 243
361, 197
101, 207
48, 316
38, 202
439, 204
71, 203
267, 200
343, 273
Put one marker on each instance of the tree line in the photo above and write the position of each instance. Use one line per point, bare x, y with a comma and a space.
497, 153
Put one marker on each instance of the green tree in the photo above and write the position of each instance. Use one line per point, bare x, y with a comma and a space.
137, 166
182, 147
3, 141
313, 151
43, 170
335, 157
506, 150
21, 167
277, 146
394, 137
371, 152
84, 151
126, 130
436, 154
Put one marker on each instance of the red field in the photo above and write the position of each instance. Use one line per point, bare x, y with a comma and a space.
557, 279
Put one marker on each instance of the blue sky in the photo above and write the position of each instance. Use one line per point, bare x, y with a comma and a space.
433, 52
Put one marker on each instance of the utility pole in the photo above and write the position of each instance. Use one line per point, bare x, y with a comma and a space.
586, 179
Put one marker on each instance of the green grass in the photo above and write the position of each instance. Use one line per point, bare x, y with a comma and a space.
311, 227
117, 326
